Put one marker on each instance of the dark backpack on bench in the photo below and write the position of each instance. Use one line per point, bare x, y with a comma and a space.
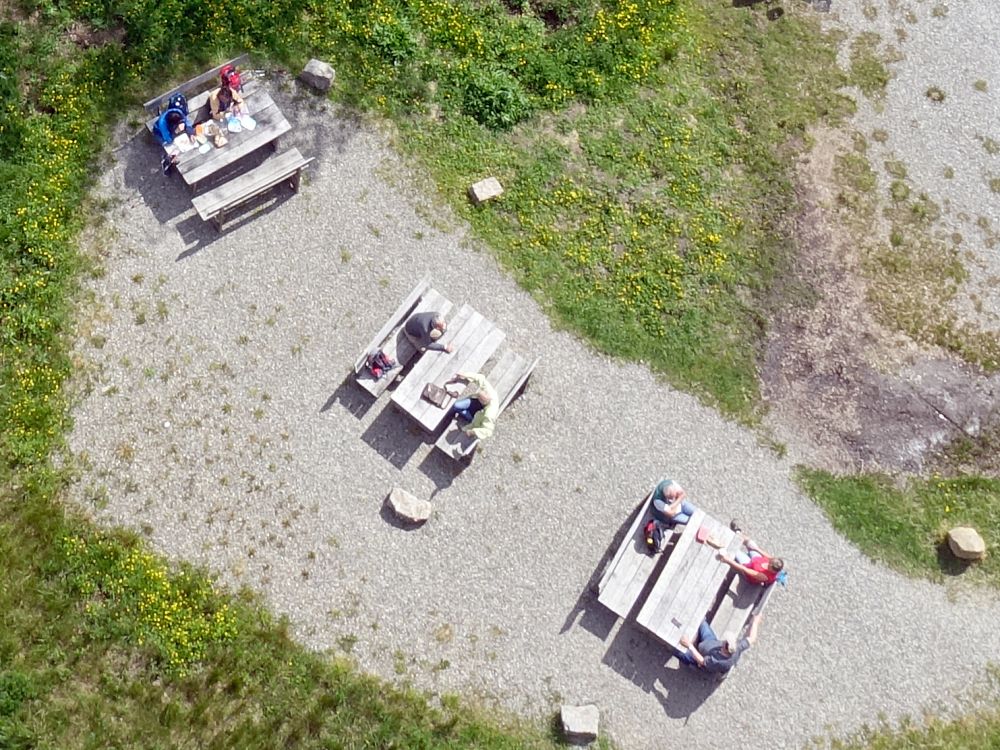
379, 363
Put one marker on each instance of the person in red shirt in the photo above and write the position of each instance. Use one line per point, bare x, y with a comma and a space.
756, 565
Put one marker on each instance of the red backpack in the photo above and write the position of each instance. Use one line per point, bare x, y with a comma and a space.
230, 77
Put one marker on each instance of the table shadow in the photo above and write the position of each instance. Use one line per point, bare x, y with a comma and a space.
351, 397
393, 437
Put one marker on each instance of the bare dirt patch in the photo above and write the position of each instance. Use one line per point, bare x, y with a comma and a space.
846, 393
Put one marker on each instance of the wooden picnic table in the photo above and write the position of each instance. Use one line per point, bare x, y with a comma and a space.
689, 583
194, 167
474, 339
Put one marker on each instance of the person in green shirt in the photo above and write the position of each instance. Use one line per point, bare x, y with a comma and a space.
478, 412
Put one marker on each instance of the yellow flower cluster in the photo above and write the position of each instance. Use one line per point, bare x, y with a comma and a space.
176, 614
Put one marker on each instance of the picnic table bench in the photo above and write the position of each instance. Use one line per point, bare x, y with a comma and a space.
508, 377
216, 203
391, 339
474, 339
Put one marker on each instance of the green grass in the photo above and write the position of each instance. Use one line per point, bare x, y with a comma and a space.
905, 526
979, 731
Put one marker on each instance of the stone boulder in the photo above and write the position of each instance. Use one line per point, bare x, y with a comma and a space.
407, 507
485, 190
318, 74
580, 723
966, 544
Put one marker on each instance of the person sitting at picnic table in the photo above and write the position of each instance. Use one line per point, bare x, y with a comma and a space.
225, 103
424, 329
478, 411
670, 504
169, 125
713, 655
756, 565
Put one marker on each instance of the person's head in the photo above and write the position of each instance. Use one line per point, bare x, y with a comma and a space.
776, 564
730, 646
484, 397
175, 122
674, 491
225, 96
438, 327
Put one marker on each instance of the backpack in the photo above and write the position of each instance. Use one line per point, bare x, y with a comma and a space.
379, 363
179, 102
653, 534
230, 76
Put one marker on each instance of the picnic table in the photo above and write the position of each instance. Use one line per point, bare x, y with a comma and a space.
197, 168
690, 583
474, 340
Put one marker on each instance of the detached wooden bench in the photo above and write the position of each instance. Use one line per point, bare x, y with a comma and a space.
393, 341
508, 378
196, 91
215, 203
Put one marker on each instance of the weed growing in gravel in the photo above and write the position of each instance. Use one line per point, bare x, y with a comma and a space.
868, 71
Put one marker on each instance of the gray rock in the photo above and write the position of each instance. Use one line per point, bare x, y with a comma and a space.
580, 723
408, 507
485, 190
966, 544
318, 74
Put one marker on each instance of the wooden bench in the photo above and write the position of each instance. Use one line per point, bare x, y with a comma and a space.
200, 110
626, 575
393, 341
508, 377
195, 85
214, 204
739, 601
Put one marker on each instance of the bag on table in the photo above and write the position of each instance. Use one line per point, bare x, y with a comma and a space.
435, 394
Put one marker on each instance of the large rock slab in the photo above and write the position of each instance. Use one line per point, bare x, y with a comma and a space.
318, 74
485, 190
966, 543
580, 723
409, 508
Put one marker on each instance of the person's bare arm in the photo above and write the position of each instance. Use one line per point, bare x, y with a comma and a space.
754, 627
753, 575
692, 649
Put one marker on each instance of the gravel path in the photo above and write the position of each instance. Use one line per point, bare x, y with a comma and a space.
214, 415
951, 148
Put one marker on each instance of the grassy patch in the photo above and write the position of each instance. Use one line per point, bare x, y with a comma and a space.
868, 71
905, 526
979, 731
911, 259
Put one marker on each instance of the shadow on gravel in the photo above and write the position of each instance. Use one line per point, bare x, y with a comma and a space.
441, 469
350, 397
392, 438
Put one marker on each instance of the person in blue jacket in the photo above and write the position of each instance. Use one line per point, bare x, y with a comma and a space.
171, 124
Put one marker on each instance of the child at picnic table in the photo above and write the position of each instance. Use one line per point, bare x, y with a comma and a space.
171, 124
756, 565
225, 102
478, 411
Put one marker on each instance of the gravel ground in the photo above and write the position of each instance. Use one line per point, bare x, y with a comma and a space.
951, 148
214, 415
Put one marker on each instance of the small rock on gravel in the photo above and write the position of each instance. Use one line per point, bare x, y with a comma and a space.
408, 507
580, 723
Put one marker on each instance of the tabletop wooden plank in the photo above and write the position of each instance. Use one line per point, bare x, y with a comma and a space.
630, 568
271, 125
682, 597
669, 578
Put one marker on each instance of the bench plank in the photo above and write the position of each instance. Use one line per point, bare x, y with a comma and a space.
507, 377
397, 318
214, 203
153, 105
395, 343
741, 600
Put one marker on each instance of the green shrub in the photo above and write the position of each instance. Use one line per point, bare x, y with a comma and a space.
496, 99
